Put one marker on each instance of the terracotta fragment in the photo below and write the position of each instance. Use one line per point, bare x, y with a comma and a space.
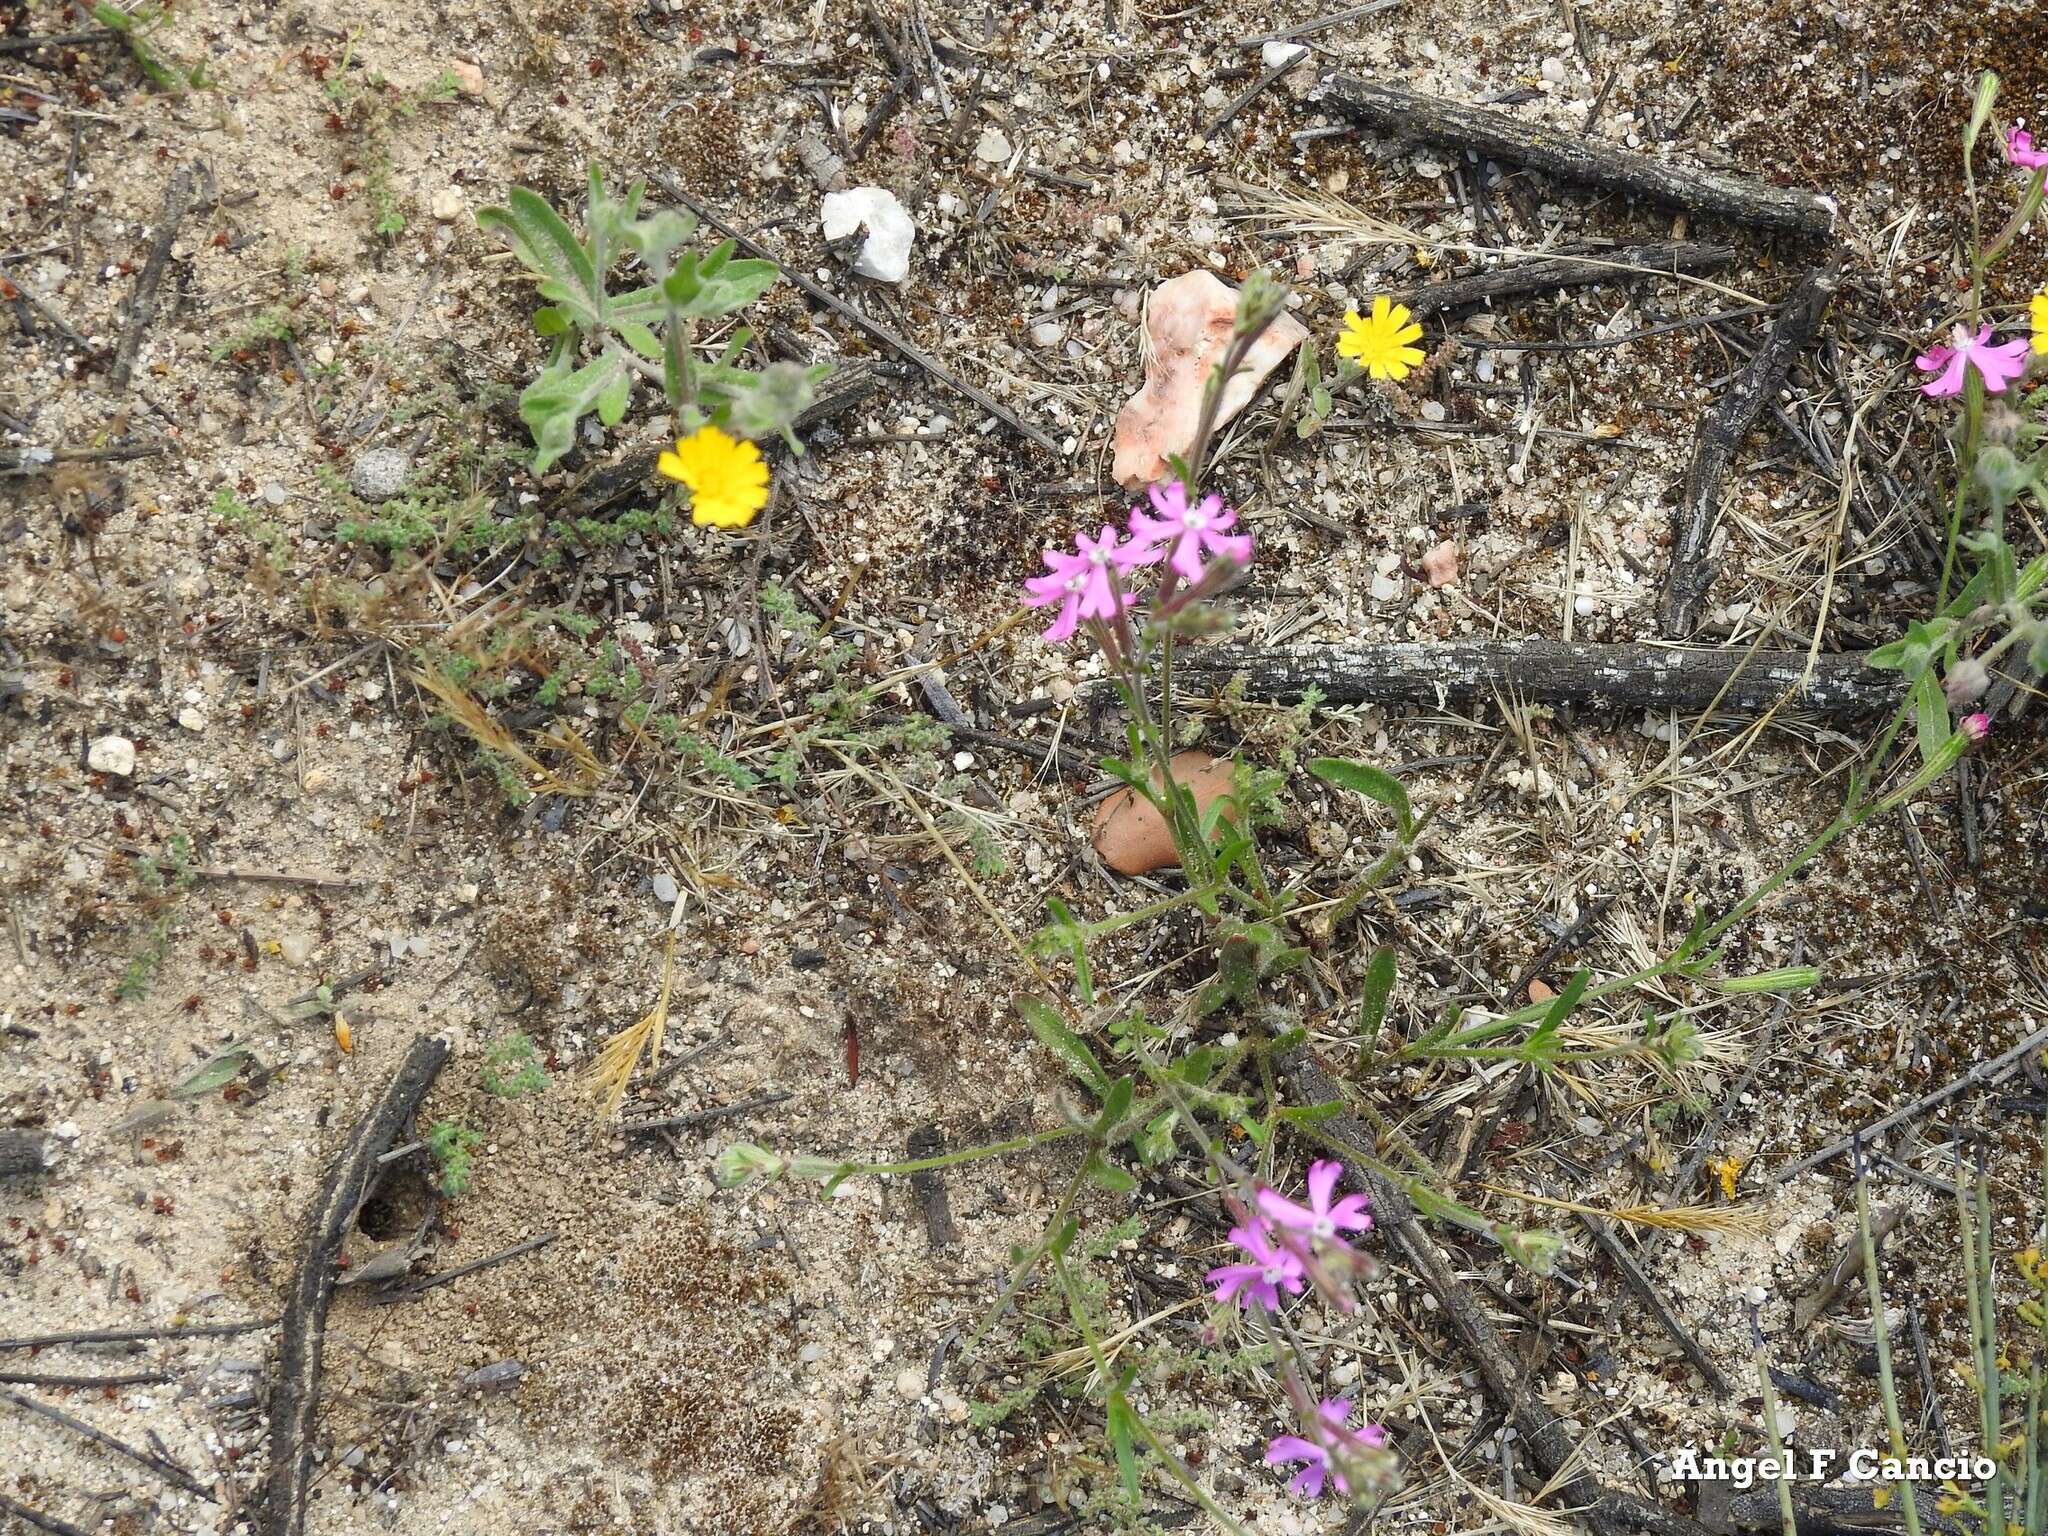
1189, 324
1440, 564
1133, 838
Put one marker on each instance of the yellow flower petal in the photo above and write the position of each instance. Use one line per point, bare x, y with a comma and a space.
726, 476
1381, 345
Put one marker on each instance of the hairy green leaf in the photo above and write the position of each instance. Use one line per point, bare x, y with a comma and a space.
1070, 1049
547, 246
561, 395
1373, 783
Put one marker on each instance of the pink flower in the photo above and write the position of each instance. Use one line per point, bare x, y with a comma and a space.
1333, 1436
1191, 531
2019, 149
1080, 583
1976, 726
1318, 1221
1260, 1281
1999, 362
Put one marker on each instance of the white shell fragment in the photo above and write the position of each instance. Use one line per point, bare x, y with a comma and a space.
885, 255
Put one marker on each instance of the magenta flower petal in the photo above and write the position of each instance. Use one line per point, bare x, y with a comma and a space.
1183, 534
1948, 363
1352, 1214
2000, 362
1286, 1449
1309, 1480
1277, 1208
1323, 1175
2019, 149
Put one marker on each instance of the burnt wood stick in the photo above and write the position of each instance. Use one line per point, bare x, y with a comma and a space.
1550, 672
178, 198
1721, 434
1577, 271
23, 1153
1410, 115
295, 1398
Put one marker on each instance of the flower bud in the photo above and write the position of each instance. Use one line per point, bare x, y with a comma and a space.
1965, 683
743, 1162
1976, 726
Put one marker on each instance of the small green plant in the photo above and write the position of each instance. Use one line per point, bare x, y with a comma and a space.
453, 1146
136, 28
258, 526
271, 324
161, 881
512, 1069
603, 342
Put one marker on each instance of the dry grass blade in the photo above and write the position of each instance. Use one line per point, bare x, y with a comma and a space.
466, 712
1066, 1362
1725, 1220
613, 1069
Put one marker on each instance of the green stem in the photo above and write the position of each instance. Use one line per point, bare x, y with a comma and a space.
1183, 1476
1887, 1387
954, 1159
1966, 458
1167, 1458
1787, 1519
1029, 1262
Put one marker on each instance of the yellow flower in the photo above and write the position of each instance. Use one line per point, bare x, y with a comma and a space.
1381, 345
727, 477
2039, 307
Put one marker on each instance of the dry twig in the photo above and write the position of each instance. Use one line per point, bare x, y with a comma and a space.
1574, 157
295, 1398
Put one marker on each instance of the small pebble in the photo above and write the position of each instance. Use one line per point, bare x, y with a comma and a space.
910, 1383
191, 719
448, 205
665, 888
111, 754
1277, 53
993, 146
379, 473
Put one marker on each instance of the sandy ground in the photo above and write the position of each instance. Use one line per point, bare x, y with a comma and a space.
772, 1361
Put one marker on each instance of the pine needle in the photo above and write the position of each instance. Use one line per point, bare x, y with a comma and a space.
1746, 1220
614, 1066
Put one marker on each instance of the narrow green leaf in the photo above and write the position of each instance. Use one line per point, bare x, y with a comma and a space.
1980, 112
1379, 986
1070, 1049
1116, 1104
1106, 1175
1122, 1434
1789, 978
217, 1071
1373, 783
1930, 715
1566, 1002
1312, 1114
